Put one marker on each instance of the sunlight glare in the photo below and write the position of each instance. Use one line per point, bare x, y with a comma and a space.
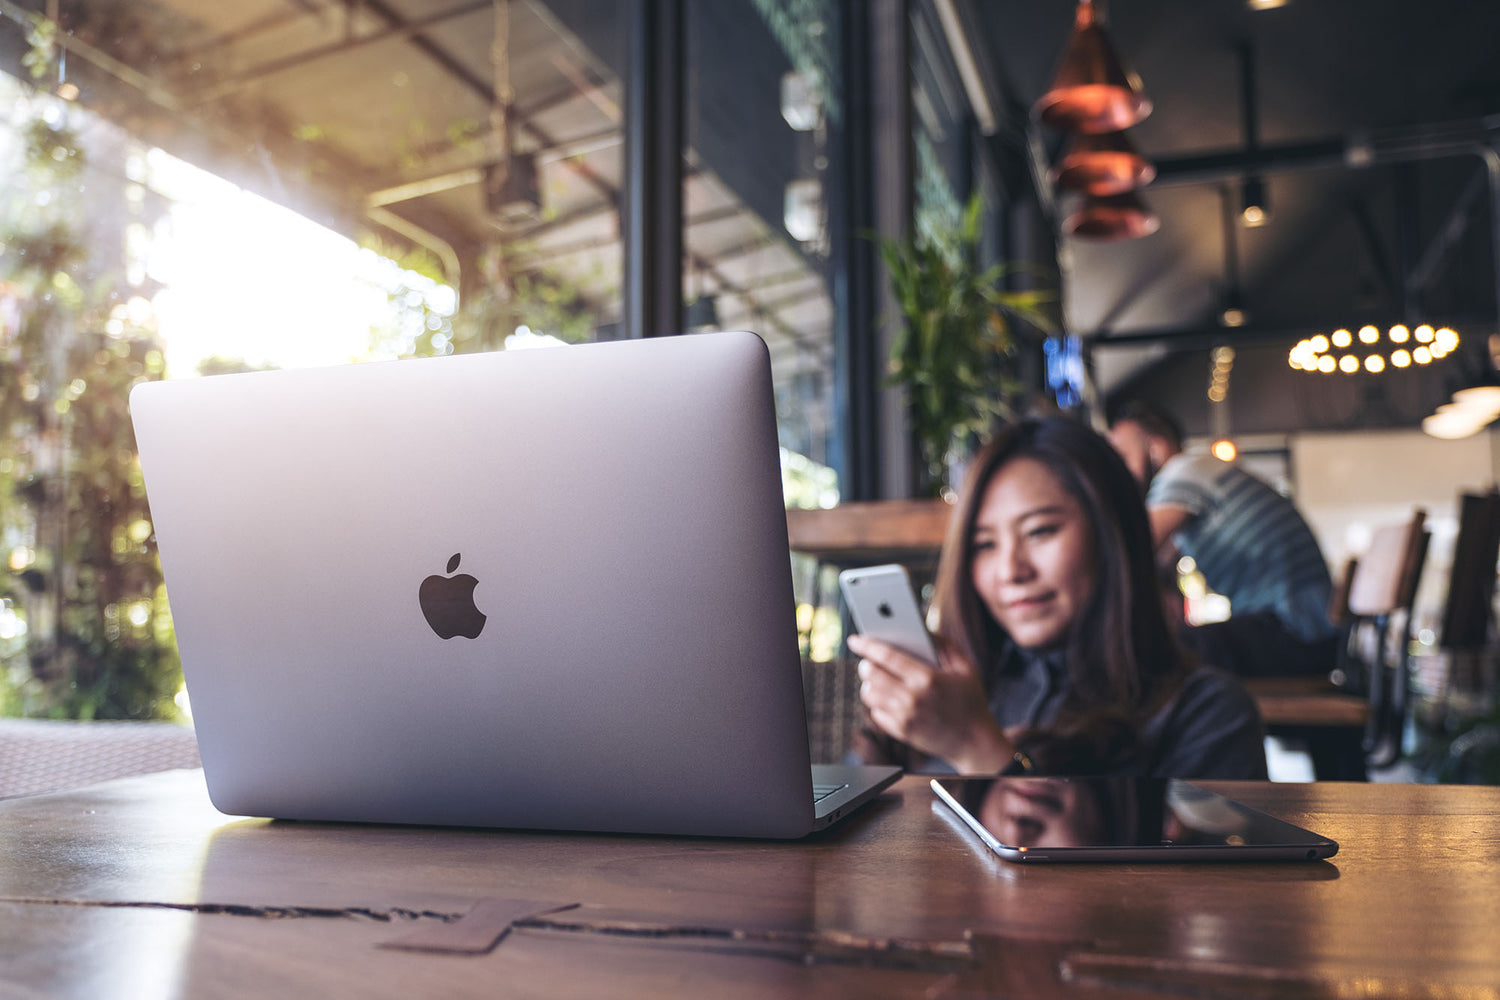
249, 279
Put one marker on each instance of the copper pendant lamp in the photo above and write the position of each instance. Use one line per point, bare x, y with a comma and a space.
1092, 91
1102, 164
1112, 217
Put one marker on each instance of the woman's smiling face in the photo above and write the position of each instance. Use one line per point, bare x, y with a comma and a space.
1032, 553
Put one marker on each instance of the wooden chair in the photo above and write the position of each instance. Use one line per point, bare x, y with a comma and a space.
1468, 610
1374, 655
1462, 720
1338, 606
909, 532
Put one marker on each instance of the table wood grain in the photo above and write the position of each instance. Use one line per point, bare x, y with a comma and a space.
1306, 701
139, 888
875, 531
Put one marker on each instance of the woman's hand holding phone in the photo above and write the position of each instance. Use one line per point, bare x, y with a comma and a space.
938, 709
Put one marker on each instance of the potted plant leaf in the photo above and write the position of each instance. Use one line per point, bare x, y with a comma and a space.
955, 352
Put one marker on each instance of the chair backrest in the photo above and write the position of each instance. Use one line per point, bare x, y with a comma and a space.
1385, 579
1471, 581
1338, 603
1385, 584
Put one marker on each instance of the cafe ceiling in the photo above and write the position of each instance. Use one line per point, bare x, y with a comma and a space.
382, 115
378, 113
1351, 238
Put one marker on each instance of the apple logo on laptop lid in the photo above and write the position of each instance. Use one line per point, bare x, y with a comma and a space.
448, 603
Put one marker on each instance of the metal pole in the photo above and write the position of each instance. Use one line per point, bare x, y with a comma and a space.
856, 366
652, 209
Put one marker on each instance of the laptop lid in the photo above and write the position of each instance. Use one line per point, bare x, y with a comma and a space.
541, 588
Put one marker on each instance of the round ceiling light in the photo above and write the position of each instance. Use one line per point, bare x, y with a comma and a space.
1371, 351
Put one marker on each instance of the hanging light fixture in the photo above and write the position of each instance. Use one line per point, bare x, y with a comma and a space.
512, 188
1456, 420
701, 314
1102, 163
1368, 350
1255, 207
1255, 203
1112, 217
1232, 312
1471, 411
802, 209
1224, 448
1092, 91
801, 103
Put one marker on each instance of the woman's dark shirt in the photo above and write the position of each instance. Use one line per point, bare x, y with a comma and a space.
1211, 728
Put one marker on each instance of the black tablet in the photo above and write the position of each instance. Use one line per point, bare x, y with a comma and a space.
1121, 819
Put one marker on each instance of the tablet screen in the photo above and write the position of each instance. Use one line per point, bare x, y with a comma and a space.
1053, 818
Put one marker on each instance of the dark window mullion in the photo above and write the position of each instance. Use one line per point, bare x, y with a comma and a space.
654, 136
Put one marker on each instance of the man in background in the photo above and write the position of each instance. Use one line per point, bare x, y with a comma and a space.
1249, 542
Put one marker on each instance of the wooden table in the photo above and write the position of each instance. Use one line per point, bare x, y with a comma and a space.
1330, 723
876, 531
1306, 701
139, 888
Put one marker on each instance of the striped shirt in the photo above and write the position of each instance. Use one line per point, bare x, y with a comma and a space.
1248, 541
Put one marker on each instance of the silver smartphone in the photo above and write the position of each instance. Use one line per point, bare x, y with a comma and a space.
881, 602
1030, 819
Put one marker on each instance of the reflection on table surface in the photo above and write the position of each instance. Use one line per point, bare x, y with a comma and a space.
141, 885
1110, 812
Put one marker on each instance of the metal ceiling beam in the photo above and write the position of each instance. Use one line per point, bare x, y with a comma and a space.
1476, 137
1203, 168
486, 92
122, 71
546, 254
1128, 297
1449, 233
268, 22
474, 174
405, 29
1364, 220
759, 309
715, 215
1229, 233
745, 248
450, 156
412, 31
788, 301
612, 194
782, 278
1354, 151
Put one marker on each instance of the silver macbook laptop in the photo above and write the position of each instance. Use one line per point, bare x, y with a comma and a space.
542, 589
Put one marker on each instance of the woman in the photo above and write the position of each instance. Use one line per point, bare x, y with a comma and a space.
1055, 652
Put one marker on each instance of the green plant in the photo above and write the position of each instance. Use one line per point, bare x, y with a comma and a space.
83, 614
502, 300
954, 355
510, 296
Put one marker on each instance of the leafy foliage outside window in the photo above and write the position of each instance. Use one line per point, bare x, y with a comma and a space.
84, 626
501, 302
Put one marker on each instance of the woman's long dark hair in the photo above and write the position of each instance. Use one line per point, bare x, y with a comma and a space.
1121, 657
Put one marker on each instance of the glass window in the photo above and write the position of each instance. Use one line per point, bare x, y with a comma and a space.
200, 187
764, 106
941, 165
763, 99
